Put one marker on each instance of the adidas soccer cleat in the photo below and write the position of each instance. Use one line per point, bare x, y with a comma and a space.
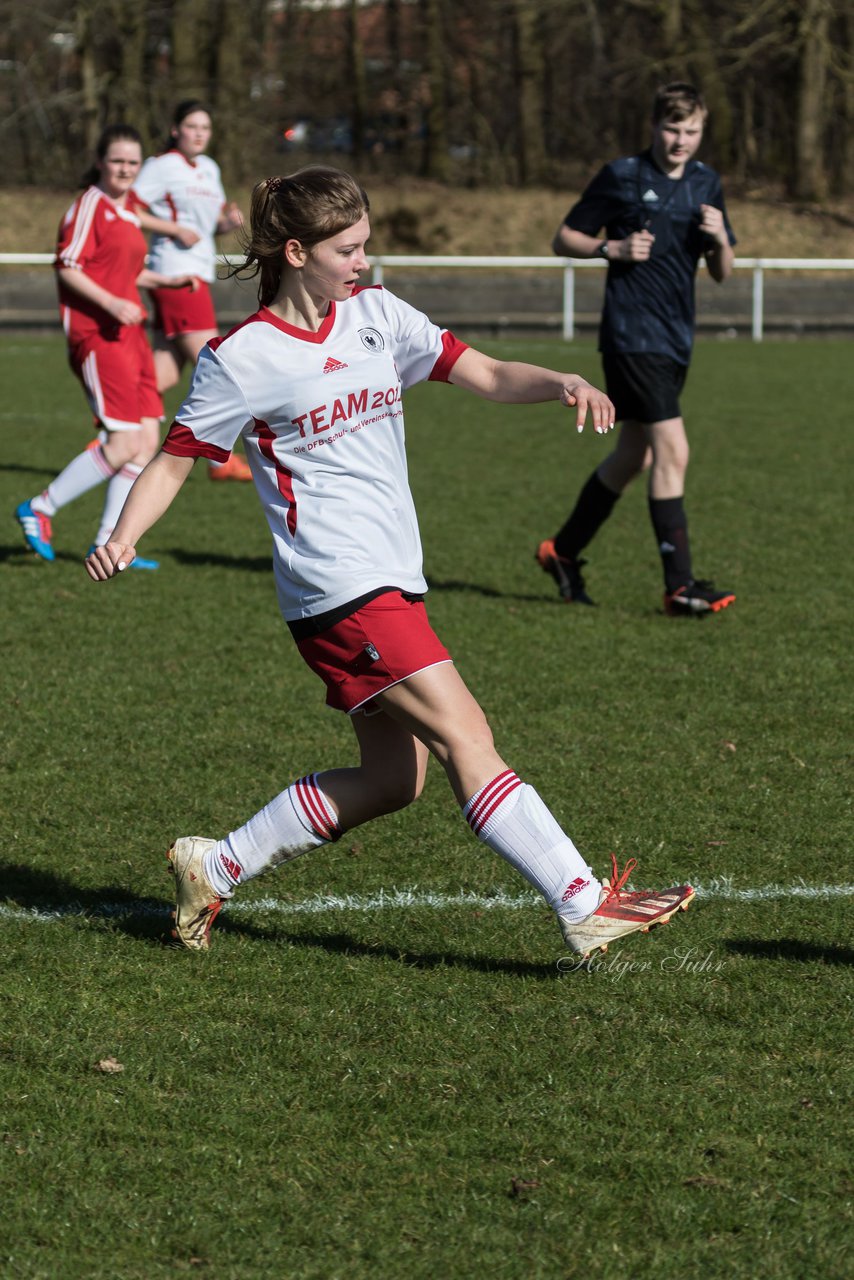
234, 469
37, 530
566, 573
696, 598
623, 911
197, 904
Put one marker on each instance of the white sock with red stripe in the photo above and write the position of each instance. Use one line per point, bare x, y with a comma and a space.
510, 817
82, 474
300, 819
118, 489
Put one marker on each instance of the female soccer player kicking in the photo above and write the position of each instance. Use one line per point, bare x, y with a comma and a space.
313, 383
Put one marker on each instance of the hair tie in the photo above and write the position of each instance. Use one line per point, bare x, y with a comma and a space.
273, 185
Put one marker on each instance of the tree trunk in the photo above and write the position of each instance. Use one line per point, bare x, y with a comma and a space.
528, 78
129, 92
85, 42
809, 180
435, 162
231, 88
190, 50
356, 77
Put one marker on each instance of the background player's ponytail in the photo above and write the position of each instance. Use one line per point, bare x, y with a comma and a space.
309, 206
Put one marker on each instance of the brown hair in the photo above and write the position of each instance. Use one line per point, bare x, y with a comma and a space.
677, 101
309, 206
187, 107
112, 133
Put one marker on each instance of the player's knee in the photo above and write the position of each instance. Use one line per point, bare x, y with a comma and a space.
474, 736
167, 376
121, 448
394, 791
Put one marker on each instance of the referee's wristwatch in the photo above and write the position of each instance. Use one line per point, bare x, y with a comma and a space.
602, 249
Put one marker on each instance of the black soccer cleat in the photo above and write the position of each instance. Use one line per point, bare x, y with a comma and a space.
566, 573
695, 599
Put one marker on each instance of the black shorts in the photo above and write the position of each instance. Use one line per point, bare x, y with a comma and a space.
644, 388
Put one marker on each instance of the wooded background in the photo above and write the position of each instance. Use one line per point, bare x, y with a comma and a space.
525, 92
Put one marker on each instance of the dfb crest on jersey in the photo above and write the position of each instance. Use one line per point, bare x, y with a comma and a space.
373, 340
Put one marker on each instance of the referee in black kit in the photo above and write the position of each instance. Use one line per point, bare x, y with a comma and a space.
661, 211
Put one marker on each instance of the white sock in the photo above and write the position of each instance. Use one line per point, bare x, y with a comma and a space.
88, 469
118, 489
509, 817
300, 819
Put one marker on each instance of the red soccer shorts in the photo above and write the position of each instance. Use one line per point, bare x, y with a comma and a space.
384, 642
118, 377
183, 310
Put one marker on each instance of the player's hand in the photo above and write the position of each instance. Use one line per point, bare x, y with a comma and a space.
105, 562
185, 282
125, 311
712, 222
187, 236
637, 247
232, 218
581, 395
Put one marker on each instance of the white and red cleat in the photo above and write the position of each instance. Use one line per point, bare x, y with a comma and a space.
623, 911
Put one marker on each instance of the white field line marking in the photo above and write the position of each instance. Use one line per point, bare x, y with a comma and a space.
396, 899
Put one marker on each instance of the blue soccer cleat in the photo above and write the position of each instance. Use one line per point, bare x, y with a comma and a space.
36, 529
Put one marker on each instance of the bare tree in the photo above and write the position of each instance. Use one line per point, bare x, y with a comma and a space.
435, 162
523, 18
809, 179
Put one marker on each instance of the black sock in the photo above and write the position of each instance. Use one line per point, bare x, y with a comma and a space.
595, 503
671, 531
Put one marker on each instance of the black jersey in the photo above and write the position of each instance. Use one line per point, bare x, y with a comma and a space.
649, 306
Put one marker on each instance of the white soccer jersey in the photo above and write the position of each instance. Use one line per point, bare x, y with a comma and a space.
189, 192
322, 423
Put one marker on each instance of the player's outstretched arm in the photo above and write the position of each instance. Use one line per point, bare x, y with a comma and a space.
510, 382
180, 231
151, 495
148, 279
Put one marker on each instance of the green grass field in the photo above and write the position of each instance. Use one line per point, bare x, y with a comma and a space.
379, 1070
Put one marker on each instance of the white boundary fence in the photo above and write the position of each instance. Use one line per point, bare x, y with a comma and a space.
379, 263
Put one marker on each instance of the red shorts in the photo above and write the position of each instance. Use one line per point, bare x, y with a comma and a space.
118, 377
384, 642
183, 310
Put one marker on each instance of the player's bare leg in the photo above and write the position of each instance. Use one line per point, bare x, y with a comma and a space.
512, 820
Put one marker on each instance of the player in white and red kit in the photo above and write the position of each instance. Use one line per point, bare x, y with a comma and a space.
100, 261
186, 208
312, 383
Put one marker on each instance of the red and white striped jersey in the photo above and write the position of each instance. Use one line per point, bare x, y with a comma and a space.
322, 423
105, 242
189, 192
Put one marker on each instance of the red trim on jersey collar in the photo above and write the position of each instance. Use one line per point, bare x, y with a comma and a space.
307, 335
180, 153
